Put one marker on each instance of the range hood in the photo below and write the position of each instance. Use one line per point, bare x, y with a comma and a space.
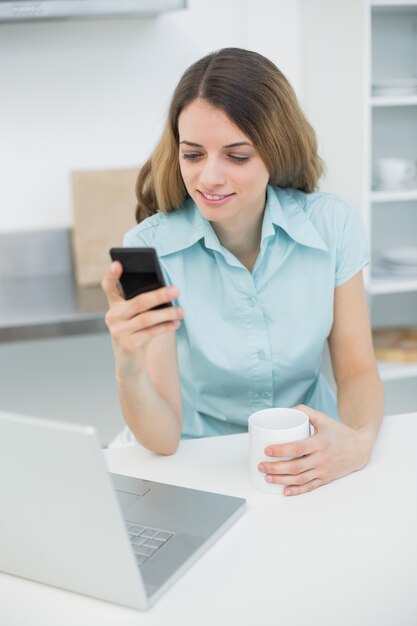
30, 10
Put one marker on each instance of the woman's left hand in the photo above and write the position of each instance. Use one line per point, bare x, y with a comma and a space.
333, 451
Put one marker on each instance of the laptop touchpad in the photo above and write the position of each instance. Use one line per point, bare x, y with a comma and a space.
129, 489
130, 484
126, 499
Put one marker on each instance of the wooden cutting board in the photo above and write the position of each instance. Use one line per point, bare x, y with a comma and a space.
395, 344
104, 206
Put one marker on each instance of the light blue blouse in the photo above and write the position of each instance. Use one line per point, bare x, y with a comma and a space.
255, 340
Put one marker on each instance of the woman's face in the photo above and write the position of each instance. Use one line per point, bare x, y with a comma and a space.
222, 171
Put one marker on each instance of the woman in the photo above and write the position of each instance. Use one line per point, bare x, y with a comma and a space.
265, 268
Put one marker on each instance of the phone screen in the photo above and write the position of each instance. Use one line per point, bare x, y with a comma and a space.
134, 283
141, 271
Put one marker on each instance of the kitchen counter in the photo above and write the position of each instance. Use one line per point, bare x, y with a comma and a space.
39, 296
49, 306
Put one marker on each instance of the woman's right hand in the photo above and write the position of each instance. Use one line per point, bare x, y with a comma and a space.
132, 323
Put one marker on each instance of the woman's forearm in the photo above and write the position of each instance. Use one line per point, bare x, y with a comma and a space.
149, 416
360, 401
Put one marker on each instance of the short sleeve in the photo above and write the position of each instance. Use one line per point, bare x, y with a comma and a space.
131, 240
352, 247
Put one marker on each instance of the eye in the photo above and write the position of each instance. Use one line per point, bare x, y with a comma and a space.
191, 156
239, 158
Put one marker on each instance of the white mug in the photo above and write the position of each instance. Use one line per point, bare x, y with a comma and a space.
268, 427
393, 173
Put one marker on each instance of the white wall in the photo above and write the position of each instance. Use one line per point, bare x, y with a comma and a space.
93, 94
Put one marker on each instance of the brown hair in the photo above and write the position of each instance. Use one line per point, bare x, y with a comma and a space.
257, 97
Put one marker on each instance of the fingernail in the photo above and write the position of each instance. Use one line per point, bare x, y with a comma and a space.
288, 492
268, 479
261, 468
172, 291
113, 267
269, 452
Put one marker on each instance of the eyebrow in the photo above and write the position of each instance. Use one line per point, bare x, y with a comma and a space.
230, 145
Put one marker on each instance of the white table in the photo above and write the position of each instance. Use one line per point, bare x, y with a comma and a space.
345, 554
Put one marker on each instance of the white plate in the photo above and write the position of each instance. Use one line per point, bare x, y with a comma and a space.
379, 269
404, 270
409, 185
400, 256
395, 87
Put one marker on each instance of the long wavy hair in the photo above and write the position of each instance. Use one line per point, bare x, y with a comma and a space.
258, 98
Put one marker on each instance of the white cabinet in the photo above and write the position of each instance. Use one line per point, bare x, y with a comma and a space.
360, 93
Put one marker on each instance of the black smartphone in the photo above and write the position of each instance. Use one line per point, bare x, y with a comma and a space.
141, 271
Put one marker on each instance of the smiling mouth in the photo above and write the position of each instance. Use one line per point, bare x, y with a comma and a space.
213, 197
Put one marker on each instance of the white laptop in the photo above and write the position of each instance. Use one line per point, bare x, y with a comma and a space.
65, 521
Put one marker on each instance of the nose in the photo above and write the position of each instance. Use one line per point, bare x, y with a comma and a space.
212, 175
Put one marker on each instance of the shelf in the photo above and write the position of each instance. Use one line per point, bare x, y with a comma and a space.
394, 5
394, 101
396, 371
12, 11
384, 285
382, 124
401, 195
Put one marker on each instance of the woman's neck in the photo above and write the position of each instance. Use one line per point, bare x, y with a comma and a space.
241, 239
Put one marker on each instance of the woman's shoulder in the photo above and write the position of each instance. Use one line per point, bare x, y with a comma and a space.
323, 201
144, 232
334, 218
328, 212
166, 232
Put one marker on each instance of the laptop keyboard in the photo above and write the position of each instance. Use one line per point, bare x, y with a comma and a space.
146, 541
